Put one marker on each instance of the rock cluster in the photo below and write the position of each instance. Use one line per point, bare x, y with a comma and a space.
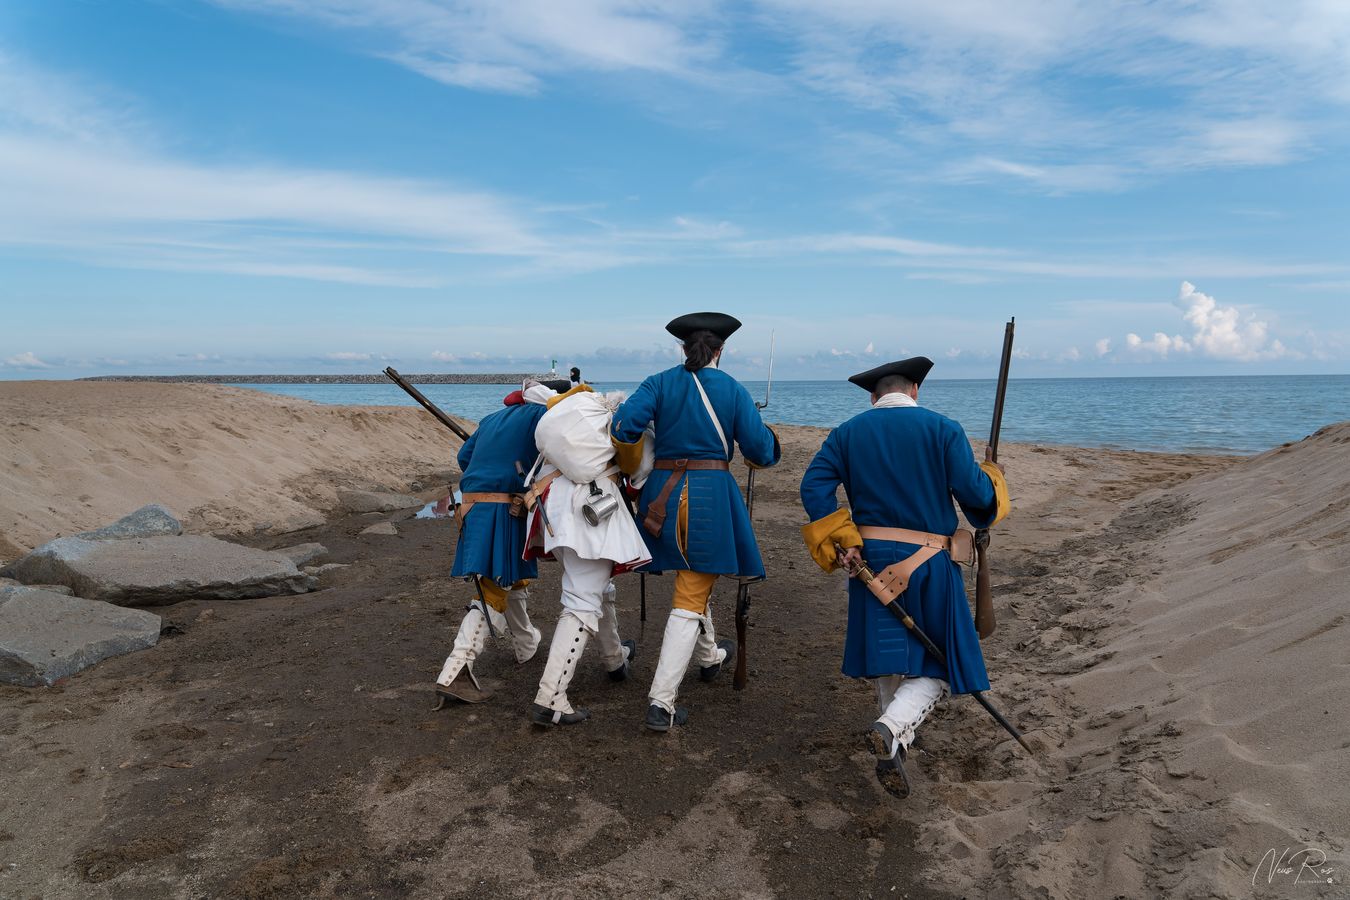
143, 559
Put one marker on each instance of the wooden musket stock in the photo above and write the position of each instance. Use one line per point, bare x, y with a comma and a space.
985, 622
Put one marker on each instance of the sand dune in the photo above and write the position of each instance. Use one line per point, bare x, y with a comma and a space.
1188, 672
80, 454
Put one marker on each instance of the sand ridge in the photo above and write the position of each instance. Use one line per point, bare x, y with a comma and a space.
224, 460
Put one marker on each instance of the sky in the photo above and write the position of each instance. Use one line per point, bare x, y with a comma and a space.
331, 186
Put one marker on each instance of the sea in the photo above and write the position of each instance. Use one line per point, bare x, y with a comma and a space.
1229, 415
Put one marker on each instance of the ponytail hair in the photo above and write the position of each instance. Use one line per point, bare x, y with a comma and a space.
700, 348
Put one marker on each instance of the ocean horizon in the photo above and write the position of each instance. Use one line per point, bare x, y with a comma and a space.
1220, 414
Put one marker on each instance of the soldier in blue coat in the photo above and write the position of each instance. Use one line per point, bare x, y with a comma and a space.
901, 467
492, 537
691, 511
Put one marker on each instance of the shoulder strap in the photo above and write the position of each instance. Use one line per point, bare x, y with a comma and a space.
712, 414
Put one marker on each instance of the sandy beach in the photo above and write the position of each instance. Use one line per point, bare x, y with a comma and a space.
1172, 640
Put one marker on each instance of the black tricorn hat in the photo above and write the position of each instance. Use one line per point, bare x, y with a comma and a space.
915, 369
560, 386
720, 324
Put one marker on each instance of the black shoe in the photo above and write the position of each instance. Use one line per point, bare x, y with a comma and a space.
891, 774
622, 672
878, 740
660, 720
710, 673
542, 715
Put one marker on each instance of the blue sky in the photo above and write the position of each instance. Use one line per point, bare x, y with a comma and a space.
340, 185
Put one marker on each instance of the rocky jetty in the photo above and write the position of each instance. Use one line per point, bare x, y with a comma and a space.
363, 378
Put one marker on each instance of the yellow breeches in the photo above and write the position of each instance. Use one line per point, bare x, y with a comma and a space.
496, 595
692, 590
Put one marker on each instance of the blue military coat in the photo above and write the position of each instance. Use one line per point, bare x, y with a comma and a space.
720, 539
901, 467
491, 540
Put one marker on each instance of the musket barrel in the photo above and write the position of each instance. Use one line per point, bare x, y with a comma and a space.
1002, 391
426, 404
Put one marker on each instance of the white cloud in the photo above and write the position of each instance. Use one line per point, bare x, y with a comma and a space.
1218, 332
511, 47
26, 360
1221, 332
1052, 178
1102, 347
474, 357
1063, 95
347, 356
1160, 345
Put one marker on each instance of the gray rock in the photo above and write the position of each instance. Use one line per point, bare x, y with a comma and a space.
148, 521
381, 528
375, 501
303, 554
53, 588
46, 636
154, 570
316, 571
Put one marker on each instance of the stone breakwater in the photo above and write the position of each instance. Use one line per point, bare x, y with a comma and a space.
365, 378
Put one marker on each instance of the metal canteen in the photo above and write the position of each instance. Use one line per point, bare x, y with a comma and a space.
599, 506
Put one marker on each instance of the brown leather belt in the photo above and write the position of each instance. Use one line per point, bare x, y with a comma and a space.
543, 481
656, 511
960, 545
467, 500
486, 497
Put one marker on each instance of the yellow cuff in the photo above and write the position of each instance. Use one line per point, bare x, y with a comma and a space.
775, 443
629, 455
558, 398
1000, 490
822, 535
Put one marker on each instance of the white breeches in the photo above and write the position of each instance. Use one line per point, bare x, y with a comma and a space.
904, 704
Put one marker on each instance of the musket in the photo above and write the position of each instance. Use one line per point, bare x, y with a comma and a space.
482, 601
426, 404
984, 593
864, 573
742, 676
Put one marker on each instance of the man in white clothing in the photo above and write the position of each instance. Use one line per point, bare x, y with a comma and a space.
576, 523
